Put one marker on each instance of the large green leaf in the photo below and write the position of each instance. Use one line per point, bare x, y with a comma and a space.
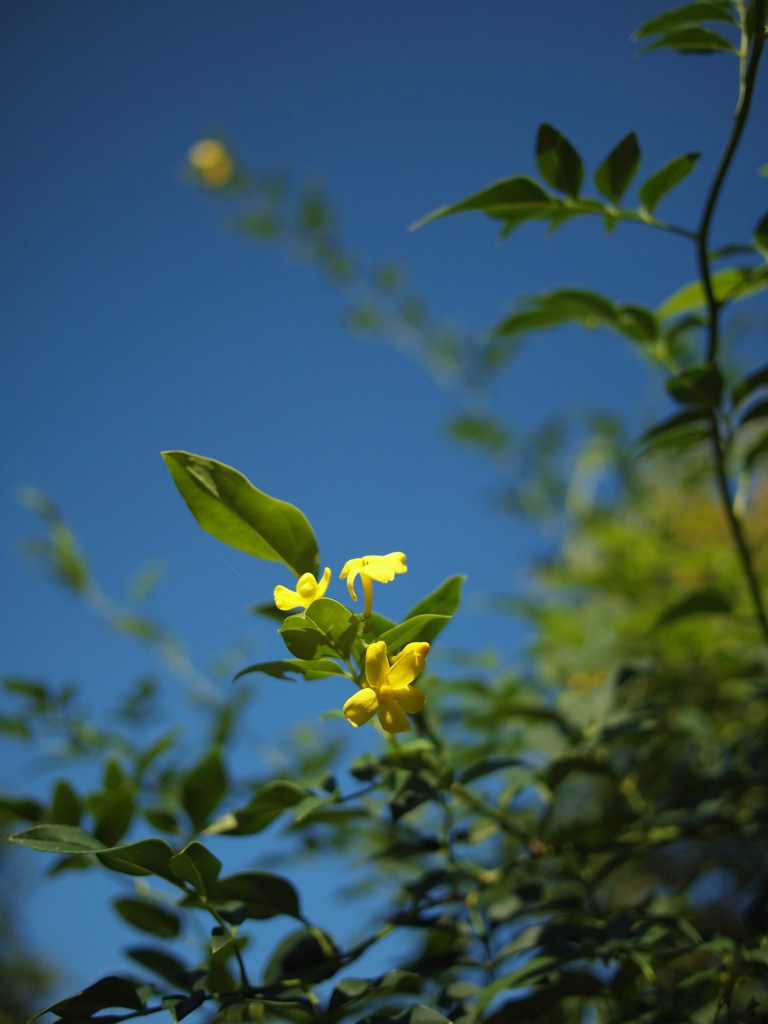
698, 385
442, 601
656, 187
705, 601
558, 162
197, 865
326, 628
58, 839
615, 173
228, 506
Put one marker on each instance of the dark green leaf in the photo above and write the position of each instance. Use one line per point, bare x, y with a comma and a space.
671, 430
558, 307
656, 187
113, 811
443, 601
743, 388
417, 629
228, 506
698, 385
513, 200
484, 432
309, 954
706, 601
756, 452
197, 865
692, 39
20, 807
266, 804
160, 963
290, 668
149, 917
558, 162
104, 994
58, 839
685, 15
262, 895
145, 857
760, 235
66, 806
757, 411
615, 173
488, 765
203, 788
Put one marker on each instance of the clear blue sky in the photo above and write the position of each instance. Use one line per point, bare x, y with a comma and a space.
134, 320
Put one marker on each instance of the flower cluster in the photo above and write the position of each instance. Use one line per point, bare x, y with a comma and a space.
386, 688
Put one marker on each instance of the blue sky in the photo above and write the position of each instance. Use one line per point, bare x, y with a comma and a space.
134, 319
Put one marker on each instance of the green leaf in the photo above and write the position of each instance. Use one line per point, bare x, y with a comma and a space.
58, 839
197, 865
145, 857
728, 285
558, 162
160, 963
615, 173
228, 506
204, 787
416, 629
757, 411
743, 388
261, 895
148, 917
760, 235
708, 600
557, 307
66, 806
290, 668
670, 431
692, 39
325, 628
756, 452
685, 15
266, 804
698, 385
309, 954
442, 601
512, 199
105, 994
672, 174
488, 765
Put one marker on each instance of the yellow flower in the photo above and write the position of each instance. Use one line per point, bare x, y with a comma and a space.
308, 589
387, 690
212, 162
381, 568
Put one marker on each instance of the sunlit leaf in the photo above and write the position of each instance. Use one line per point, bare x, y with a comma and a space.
615, 173
267, 803
326, 628
558, 162
414, 629
672, 174
728, 285
442, 601
228, 506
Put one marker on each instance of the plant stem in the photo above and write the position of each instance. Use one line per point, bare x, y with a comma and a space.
748, 75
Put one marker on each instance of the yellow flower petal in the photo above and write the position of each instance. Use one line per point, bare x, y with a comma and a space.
383, 568
407, 665
392, 717
349, 573
408, 698
361, 707
376, 664
308, 589
286, 599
